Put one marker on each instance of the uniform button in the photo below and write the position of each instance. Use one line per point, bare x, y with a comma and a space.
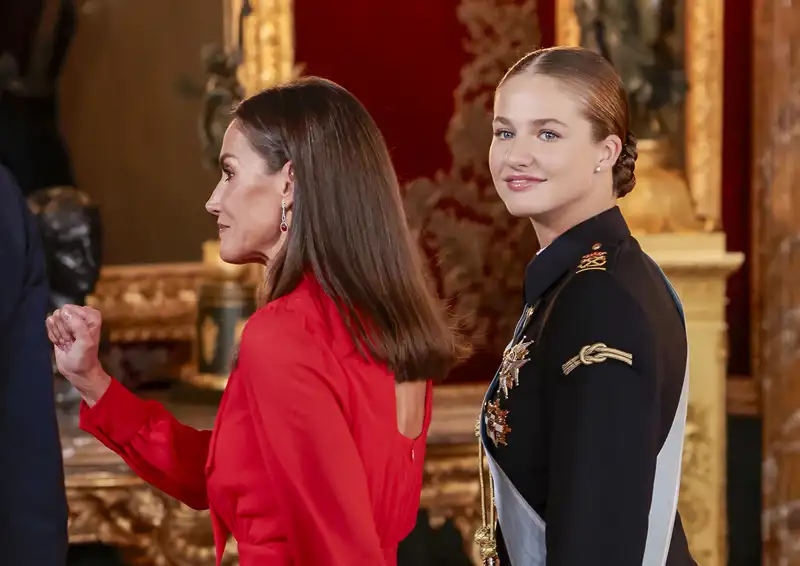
413, 456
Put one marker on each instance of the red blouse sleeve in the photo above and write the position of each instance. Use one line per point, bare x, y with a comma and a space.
298, 397
159, 449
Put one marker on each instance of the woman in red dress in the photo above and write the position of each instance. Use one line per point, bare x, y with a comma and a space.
316, 455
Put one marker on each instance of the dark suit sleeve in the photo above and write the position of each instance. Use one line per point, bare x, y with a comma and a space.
33, 510
603, 426
12, 248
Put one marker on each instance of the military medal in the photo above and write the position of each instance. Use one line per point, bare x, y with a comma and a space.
513, 359
496, 427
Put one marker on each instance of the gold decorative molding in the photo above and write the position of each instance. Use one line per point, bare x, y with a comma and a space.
267, 42
451, 489
704, 66
110, 505
150, 302
704, 73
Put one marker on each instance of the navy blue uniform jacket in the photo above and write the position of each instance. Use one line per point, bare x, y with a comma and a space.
581, 444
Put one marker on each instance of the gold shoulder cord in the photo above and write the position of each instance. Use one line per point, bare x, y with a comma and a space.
485, 535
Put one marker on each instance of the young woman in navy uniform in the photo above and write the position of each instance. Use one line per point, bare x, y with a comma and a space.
583, 424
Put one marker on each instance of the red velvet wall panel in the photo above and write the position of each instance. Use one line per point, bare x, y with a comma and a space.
736, 175
401, 59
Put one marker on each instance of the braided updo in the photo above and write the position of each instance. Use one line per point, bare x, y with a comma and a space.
623, 171
595, 82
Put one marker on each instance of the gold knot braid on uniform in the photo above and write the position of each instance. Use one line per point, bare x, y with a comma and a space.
595, 354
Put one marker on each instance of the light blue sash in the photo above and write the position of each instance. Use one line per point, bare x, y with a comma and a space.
524, 530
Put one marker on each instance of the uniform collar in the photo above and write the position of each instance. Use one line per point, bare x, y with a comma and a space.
564, 253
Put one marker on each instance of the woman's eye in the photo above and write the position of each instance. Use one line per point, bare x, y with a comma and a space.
503, 134
548, 136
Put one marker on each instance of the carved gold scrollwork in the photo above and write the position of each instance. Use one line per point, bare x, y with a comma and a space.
149, 528
125, 517
451, 491
142, 303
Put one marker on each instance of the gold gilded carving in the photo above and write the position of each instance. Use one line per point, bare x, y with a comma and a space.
124, 517
149, 528
109, 504
661, 201
451, 488
480, 248
142, 303
704, 73
702, 171
267, 42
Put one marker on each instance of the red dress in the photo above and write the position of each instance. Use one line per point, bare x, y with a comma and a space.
305, 465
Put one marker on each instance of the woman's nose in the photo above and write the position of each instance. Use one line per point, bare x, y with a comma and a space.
212, 204
520, 154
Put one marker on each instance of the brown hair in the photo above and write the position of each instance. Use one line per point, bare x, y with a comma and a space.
349, 227
596, 82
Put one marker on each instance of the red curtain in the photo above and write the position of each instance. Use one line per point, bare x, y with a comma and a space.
401, 59
736, 148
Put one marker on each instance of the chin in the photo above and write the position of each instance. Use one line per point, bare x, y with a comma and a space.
228, 254
529, 205
526, 209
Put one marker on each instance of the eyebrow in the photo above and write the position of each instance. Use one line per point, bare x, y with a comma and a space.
223, 157
538, 123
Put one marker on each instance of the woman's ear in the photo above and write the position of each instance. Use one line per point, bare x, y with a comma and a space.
287, 174
608, 152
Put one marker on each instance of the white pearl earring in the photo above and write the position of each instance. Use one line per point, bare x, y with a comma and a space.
597, 169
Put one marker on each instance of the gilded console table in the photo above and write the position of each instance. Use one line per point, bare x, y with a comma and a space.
109, 504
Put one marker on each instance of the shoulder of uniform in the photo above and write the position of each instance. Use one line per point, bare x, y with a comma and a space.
596, 292
595, 309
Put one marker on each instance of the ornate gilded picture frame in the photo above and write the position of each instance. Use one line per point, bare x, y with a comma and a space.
701, 28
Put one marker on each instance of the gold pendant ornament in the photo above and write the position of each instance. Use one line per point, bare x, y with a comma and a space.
485, 536
485, 539
496, 427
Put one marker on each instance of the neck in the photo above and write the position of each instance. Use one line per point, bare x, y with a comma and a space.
552, 224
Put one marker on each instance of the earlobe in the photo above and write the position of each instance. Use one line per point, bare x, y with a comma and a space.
288, 187
612, 147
